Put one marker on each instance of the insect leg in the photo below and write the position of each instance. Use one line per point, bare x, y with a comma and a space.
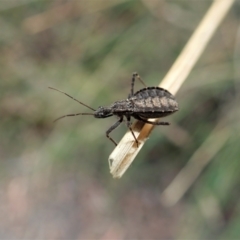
129, 126
153, 123
132, 84
134, 76
115, 125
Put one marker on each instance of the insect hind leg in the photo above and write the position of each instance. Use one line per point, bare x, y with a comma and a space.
153, 123
134, 76
115, 125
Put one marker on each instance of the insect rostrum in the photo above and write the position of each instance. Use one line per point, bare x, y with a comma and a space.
149, 102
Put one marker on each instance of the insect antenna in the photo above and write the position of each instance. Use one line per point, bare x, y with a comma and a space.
72, 115
74, 100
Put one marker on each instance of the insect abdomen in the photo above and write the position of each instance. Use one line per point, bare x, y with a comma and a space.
154, 102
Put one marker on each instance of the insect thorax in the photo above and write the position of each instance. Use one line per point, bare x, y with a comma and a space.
103, 112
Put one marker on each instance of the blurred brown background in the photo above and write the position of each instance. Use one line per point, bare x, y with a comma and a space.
54, 178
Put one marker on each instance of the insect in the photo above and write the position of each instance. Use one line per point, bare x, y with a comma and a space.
149, 102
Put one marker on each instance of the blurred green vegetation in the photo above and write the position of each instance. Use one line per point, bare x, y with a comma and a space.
55, 180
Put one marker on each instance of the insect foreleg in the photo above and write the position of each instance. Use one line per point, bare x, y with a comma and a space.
153, 123
115, 125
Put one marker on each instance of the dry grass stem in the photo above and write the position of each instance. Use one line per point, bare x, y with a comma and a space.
124, 154
200, 159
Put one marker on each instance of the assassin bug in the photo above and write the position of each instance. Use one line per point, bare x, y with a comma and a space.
149, 102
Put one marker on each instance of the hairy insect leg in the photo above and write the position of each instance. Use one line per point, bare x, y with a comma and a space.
130, 128
115, 125
134, 76
153, 123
